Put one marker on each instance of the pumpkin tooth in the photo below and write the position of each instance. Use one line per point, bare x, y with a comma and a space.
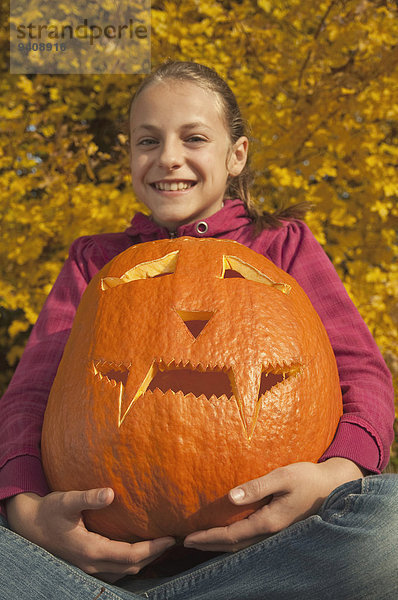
158, 390
270, 377
136, 385
112, 372
284, 370
187, 364
161, 366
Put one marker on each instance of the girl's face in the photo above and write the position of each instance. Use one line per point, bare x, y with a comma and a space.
181, 152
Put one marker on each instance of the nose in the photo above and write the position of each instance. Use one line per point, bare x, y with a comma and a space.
171, 155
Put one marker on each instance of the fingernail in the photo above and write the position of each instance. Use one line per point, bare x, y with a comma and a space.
237, 494
103, 495
189, 542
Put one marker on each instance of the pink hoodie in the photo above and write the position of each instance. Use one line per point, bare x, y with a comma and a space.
365, 431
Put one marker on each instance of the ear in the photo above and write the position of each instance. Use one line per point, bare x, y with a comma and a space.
238, 156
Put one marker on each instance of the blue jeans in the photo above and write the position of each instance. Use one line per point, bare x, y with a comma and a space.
349, 550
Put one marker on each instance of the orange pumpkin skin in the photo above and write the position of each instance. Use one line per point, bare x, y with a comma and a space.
164, 316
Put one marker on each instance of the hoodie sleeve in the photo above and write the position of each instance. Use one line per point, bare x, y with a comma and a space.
365, 431
23, 404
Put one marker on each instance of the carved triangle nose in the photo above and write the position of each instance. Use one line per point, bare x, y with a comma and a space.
196, 327
195, 321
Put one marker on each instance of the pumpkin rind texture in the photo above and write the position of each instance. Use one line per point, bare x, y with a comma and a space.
193, 365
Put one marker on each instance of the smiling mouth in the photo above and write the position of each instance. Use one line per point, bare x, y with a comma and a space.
212, 384
173, 186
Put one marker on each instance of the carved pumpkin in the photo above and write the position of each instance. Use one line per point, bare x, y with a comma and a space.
192, 366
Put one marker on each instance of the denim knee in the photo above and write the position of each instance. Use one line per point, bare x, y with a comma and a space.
367, 509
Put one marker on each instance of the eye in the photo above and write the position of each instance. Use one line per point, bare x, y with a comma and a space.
196, 139
147, 142
235, 267
146, 270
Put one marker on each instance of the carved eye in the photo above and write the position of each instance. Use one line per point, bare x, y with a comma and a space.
236, 267
146, 270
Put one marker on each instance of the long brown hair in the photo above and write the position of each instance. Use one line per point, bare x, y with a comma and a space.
239, 186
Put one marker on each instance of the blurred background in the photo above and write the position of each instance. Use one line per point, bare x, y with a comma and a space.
316, 80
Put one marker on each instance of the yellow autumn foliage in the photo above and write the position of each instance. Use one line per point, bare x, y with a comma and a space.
318, 83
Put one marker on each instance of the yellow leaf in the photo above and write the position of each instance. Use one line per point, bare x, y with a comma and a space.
266, 5
17, 327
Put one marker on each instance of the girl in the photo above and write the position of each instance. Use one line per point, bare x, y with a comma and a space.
328, 529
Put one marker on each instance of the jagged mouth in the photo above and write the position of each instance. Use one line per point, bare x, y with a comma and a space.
212, 383
188, 380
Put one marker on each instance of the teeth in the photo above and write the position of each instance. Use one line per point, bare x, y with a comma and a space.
132, 383
110, 372
172, 186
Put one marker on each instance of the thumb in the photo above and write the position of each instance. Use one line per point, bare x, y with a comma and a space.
77, 501
249, 492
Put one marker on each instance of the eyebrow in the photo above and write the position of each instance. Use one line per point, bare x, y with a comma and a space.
185, 127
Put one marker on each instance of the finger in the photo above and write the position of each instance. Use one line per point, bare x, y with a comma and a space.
231, 538
123, 553
121, 558
74, 502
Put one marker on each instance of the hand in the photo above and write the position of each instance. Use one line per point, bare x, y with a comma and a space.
55, 523
290, 494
